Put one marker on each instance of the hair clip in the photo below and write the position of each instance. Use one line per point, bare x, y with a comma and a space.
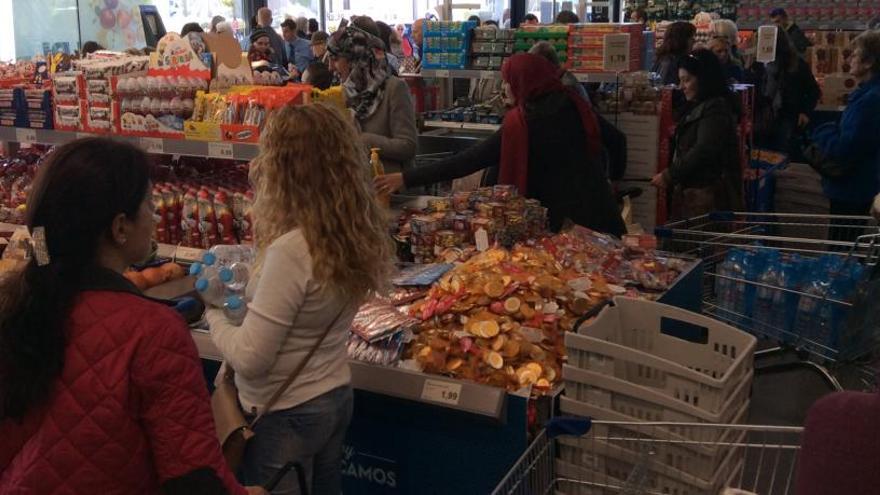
39, 247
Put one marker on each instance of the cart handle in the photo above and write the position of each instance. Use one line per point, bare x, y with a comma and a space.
568, 425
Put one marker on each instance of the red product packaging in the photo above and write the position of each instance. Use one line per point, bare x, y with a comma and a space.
223, 212
207, 219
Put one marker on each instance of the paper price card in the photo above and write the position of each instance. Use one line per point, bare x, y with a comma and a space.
443, 392
616, 52
153, 145
26, 136
766, 51
220, 150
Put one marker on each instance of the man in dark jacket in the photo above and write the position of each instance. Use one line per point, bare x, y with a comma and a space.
264, 19
798, 38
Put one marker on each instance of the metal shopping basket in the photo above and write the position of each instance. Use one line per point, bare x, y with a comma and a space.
712, 237
635, 458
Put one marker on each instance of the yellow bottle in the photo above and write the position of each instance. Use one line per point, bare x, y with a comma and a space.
379, 169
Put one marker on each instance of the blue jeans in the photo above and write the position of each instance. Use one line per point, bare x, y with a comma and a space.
310, 434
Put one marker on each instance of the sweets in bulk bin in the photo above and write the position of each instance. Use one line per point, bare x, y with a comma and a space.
637, 92
500, 317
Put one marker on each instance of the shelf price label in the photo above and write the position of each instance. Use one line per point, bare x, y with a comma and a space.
487, 74
84, 135
220, 150
189, 253
26, 136
441, 73
153, 145
443, 392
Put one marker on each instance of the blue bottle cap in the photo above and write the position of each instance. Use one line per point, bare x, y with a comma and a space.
202, 284
195, 268
209, 258
225, 275
234, 303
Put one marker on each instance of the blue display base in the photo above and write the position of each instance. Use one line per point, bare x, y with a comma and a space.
401, 446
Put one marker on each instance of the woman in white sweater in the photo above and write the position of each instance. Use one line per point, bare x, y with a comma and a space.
321, 247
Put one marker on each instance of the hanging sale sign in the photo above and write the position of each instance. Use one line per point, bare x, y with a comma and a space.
767, 44
616, 52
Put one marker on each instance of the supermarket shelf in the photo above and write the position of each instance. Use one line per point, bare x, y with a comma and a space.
227, 150
411, 385
467, 126
462, 73
813, 26
597, 77
589, 77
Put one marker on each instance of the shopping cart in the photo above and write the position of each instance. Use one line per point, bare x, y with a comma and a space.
648, 458
712, 237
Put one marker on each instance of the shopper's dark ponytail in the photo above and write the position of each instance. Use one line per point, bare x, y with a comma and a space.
78, 191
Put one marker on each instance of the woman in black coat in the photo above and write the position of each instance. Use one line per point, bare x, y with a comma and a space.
787, 95
704, 174
549, 147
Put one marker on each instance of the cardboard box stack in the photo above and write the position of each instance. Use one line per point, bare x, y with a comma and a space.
586, 45
490, 47
446, 44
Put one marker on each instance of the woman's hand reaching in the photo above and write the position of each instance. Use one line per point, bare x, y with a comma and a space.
388, 183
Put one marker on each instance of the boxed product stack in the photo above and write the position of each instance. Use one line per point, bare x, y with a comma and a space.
100, 100
34, 108
557, 35
587, 46
490, 47
815, 12
8, 108
447, 44
645, 361
68, 98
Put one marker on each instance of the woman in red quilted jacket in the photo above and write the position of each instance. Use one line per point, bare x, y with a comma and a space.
101, 389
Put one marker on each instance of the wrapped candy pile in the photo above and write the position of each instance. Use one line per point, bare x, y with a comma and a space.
500, 317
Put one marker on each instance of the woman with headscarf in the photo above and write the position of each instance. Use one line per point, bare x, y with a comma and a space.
261, 47
379, 102
549, 147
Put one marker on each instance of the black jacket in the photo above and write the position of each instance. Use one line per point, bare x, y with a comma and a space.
562, 177
798, 38
706, 152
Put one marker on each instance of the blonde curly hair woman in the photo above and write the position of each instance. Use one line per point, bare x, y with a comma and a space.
322, 245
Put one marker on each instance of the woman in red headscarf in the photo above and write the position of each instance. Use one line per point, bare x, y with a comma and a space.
549, 147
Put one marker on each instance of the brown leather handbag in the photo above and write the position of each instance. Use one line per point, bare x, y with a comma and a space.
233, 429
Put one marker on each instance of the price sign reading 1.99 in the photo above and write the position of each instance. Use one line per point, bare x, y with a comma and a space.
440, 391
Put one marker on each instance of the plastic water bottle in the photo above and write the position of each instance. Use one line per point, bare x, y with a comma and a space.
723, 285
211, 290
737, 290
806, 321
763, 310
784, 302
753, 263
236, 276
227, 254
235, 309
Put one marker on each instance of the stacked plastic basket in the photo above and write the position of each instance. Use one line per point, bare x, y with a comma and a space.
641, 361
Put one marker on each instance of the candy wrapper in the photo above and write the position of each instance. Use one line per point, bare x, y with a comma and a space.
384, 352
378, 319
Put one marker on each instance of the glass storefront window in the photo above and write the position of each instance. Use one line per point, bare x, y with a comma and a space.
42, 26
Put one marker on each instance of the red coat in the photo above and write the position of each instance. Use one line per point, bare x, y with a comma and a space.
129, 412
841, 447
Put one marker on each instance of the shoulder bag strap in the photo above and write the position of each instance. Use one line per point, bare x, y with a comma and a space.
299, 367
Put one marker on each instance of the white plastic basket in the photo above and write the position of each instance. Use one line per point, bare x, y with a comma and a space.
644, 343
647, 404
697, 452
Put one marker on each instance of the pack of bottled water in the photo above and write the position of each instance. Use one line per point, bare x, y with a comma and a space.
787, 296
222, 278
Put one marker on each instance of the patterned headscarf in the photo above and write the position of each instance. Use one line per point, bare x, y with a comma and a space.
364, 87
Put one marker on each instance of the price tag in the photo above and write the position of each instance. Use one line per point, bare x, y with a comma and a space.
189, 253
766, 50
83, 135
153, 145
220, 150
487, 74
481, 237
616, 52
445, 392
441, 73
26, 136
